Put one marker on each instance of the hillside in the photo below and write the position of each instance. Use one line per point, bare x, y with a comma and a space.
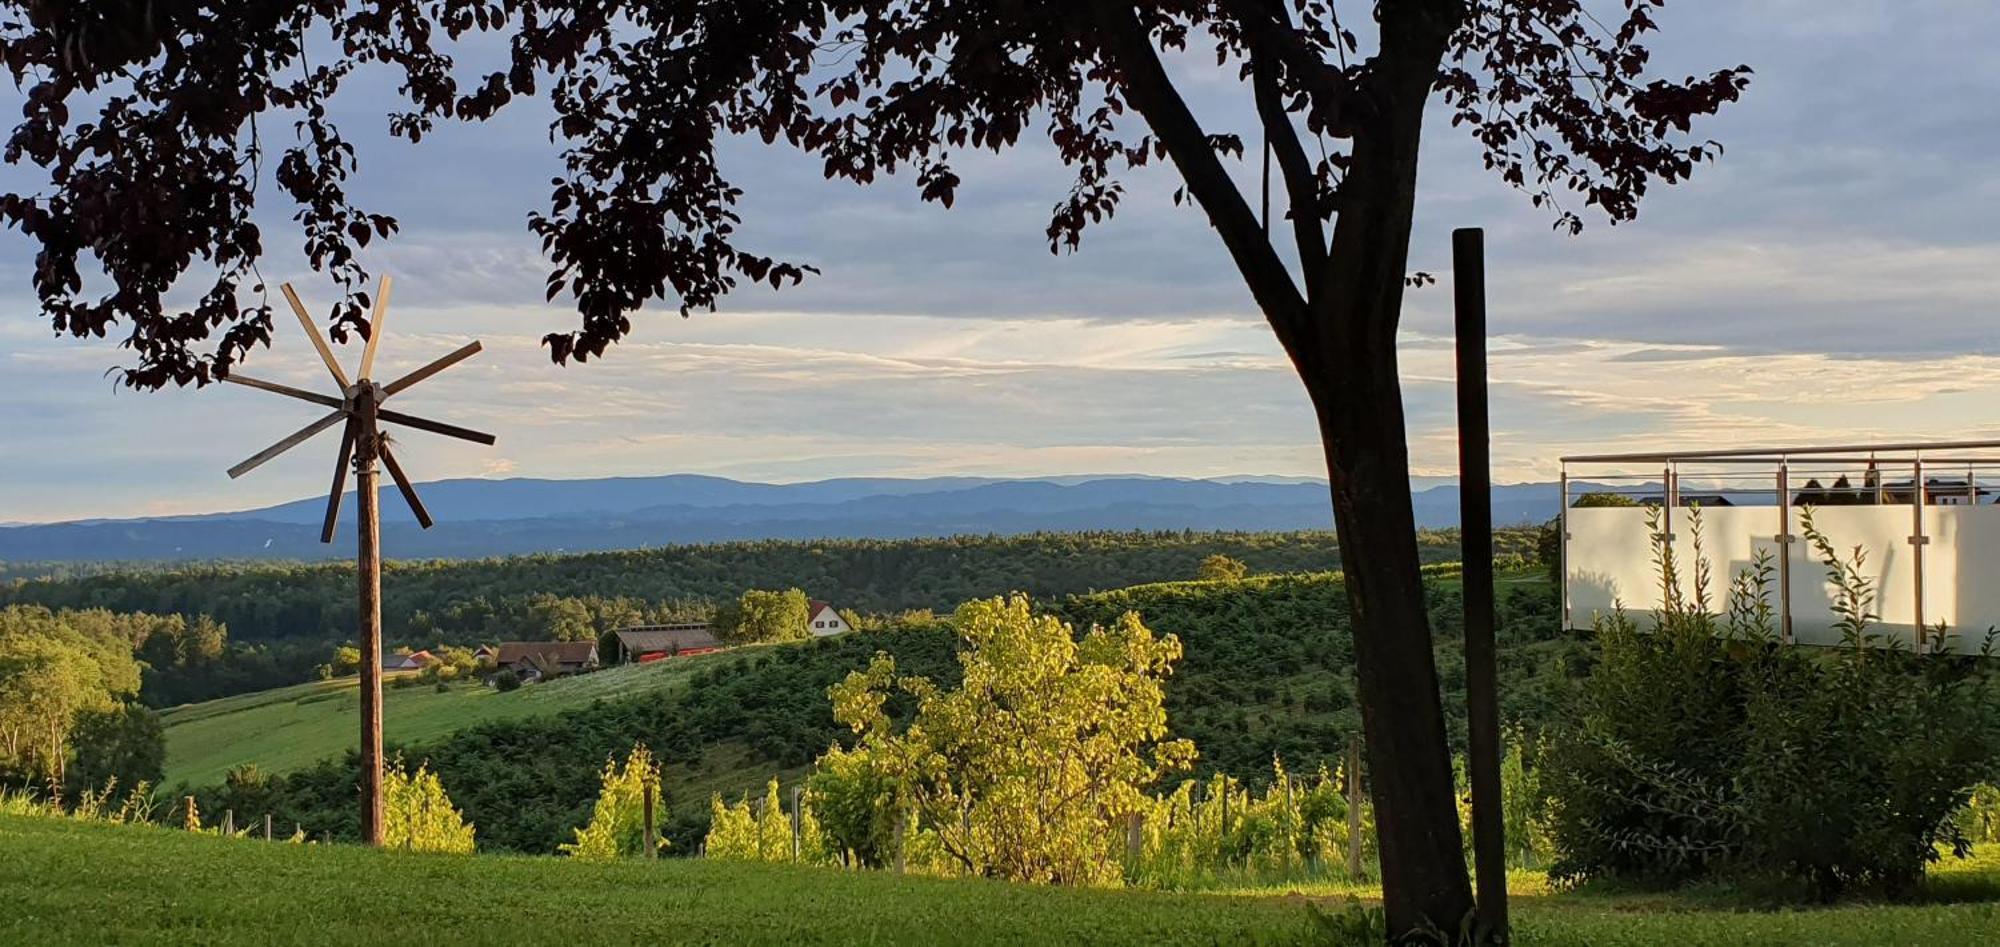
1268, 670
254, 893
293, 727
482, 518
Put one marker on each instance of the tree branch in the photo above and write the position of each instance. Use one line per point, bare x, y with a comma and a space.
1150, 91
1301, 185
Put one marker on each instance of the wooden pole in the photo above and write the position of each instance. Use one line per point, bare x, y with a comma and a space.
368, 567
267, 826
1475, 508
795, 821
229, 821
1355, 806
652, 843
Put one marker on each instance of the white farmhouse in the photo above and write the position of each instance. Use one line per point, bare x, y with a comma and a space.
822, 620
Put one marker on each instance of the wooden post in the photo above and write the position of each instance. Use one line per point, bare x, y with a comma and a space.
1291, 825
229, 821
899, 843
1135, 839
1475, 509
368, 569
267, 826
652, 841
1353, 773
795, 821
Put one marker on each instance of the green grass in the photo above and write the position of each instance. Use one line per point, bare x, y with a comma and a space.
67, 882
74, 883
293, 727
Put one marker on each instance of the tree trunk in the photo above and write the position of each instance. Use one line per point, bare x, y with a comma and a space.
1347, 358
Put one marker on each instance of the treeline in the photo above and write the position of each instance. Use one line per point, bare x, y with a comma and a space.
1267, 671
269, 601
69, 683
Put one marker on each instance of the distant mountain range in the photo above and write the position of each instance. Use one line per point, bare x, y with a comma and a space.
478, 518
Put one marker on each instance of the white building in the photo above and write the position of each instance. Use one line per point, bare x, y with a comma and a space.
822, 620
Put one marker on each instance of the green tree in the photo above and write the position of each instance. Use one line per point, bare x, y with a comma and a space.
617, 824
1218, 567
125, 744
759, 615
557, 618
45, 684
732, 831
417, 816
346, 660
1028, 769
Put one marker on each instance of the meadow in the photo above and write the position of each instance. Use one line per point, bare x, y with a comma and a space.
288, 728
273, 893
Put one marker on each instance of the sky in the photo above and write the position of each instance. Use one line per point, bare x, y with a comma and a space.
1833, 276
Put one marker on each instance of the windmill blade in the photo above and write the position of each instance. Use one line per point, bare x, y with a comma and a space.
375, 328
318, 341
297, 438
239, 378
464, 352
339, 483
403, 484
435, 427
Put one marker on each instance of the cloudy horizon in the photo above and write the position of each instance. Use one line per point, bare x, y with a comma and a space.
1832, 276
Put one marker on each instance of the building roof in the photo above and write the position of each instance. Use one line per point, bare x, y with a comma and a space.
814, 607
687, 637
559, 652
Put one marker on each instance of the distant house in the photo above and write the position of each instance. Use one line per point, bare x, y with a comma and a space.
642, 643
539, 660
822, 620
414, 661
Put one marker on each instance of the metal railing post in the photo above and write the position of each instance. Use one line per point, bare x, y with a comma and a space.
1562, 547
1784, 539
1918, 540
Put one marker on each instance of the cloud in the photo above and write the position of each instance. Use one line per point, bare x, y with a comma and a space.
1830, 277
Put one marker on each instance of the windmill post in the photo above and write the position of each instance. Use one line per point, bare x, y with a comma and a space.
362, 444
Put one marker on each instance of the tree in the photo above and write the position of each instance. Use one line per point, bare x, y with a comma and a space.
764, 616
1028, 769
152, 189
125, 743
1218, 567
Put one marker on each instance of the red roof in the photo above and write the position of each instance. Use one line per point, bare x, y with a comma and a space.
814, 607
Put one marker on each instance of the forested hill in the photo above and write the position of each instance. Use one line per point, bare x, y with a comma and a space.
282, 619
268, 601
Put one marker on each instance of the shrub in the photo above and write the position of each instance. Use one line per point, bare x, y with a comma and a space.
417, 816
506, 681
617, 823
1706, 747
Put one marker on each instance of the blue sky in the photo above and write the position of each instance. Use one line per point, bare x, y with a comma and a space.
1834, 275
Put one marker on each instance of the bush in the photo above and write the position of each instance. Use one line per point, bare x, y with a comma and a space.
417, 816
1706, 747
506, 681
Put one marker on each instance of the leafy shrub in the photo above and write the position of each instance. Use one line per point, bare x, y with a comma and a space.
618, 822
1706, 747
506, 681
417, 816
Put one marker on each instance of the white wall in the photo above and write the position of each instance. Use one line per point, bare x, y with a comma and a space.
1609, 560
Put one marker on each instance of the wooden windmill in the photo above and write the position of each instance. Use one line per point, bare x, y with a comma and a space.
359, 406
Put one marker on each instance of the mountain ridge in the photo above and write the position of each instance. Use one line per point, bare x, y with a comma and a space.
478, 517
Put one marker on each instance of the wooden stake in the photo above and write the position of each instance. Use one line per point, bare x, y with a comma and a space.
368, 569
229, 821
652, 841
795, 822
1353, 774
267, 826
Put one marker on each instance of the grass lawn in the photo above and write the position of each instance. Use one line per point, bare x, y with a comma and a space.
74, 883
292, 727
68, 882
